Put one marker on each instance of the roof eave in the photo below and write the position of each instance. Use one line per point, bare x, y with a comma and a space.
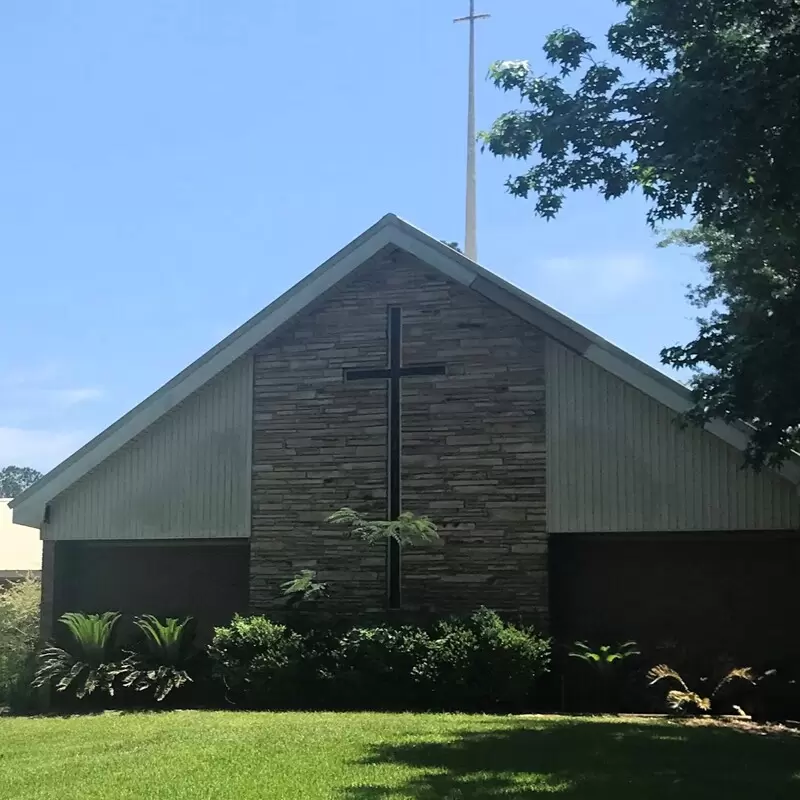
29, 507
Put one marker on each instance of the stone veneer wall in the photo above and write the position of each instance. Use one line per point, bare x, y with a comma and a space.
473, 446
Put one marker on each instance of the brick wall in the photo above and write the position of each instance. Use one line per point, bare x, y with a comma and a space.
473, 446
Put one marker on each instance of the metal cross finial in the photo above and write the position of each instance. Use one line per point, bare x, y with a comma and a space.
471, 234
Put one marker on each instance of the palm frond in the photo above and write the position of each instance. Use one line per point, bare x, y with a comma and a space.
161, 680
605, 654
163, 640
582, 651
664, 672
679, 700
91, 634
162, 666
71, 675
53, 663
88, 665
684, 698
736, 674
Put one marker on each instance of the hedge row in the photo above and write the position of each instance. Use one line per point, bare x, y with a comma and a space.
477, 663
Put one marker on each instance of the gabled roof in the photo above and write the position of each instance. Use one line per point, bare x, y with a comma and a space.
29, 507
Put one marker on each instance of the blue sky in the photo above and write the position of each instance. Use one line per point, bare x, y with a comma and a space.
169, 168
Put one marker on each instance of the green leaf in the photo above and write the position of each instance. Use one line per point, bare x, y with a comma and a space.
408, 529
696, 109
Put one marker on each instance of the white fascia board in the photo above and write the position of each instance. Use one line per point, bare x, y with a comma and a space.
29, 508
443, 258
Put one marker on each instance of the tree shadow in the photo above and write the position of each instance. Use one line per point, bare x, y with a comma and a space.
582, 759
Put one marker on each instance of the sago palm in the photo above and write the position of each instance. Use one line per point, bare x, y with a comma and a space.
87, 663
683, 699
162, 664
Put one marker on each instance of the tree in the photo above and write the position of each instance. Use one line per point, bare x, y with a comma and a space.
407, 529
707, 129
15, 480
749, 340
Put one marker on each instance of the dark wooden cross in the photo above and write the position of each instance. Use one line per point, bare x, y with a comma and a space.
394, 373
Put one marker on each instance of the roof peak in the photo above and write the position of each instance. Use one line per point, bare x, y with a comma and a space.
390, 229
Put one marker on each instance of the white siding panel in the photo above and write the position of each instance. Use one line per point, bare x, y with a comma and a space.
186, 476
617, 461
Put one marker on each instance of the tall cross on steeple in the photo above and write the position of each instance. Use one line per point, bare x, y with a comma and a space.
471, 233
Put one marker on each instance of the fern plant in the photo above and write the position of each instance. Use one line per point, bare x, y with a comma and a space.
683, 699
87, 664
162, 666
408, 529
304, 588
606, 656
605, 661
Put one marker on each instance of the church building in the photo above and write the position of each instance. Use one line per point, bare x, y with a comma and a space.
402, 376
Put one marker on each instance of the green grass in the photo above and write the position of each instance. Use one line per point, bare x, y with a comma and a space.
239, 756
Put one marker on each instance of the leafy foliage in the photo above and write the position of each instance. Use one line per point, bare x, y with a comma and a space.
708, 132
258, 661
750, 332
606, 661
486, 663
683, 699
709, 65
605, 656
88, 665
162, 666
383, 666
19, 631
407, 529
15, 480
478, 662
304, 588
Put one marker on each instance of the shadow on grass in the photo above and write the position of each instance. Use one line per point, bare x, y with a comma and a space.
593, 759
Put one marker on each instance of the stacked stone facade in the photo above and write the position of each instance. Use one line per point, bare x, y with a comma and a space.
473, 446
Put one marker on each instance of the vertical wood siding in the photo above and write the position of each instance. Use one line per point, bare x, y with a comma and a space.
617, 461
187, 476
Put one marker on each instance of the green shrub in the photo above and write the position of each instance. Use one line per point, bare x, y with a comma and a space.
461, 664
161, 664
258, 661
476, 663
485, 663
382, 667
88, 663
19, 632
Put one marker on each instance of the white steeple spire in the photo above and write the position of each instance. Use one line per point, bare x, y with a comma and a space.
471, 231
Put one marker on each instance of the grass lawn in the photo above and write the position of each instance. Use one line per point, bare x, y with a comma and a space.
239, 756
